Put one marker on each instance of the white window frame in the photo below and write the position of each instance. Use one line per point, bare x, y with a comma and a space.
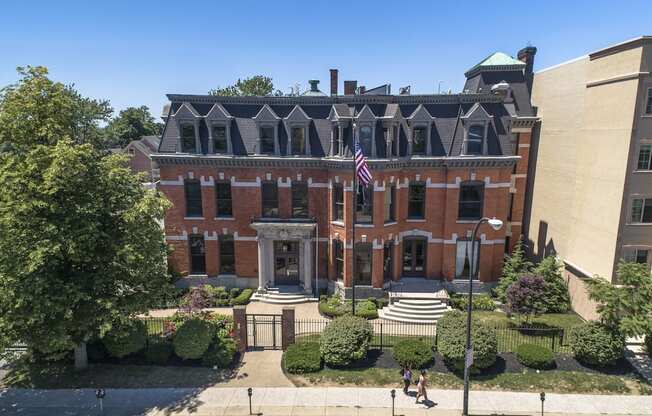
261, 126
306, 131
483, 140
631, 210
463, 247
227, 133
648, 101
195, 124
638, 155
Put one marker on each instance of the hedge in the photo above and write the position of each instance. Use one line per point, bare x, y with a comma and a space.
648, 344
345, 340
480, 302
220, 354
334, 307
451, 335
158, 351
595, 344
302, 358
125, 339
193, 338
414, 354
535, 356
243, 297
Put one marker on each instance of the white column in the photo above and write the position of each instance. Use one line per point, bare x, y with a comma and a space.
269, 261
261, 263
306, 258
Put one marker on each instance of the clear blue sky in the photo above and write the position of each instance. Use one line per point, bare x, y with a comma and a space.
134, 52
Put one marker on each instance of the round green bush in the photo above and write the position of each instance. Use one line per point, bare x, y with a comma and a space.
220, 354
192, 338
345, 340
234, 292
535, 356
302, 358
96, 351
158, 351
125, 339
366, 309
595, 344
451, 335
243, 297
414, 354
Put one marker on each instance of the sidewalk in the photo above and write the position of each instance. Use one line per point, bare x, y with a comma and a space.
308, 401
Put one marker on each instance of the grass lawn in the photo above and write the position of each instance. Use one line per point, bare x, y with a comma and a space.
549, 381
562, 320
63, 376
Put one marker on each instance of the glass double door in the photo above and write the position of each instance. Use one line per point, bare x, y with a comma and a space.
414, 257
286, 262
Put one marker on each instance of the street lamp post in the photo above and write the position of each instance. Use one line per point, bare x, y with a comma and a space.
496, 224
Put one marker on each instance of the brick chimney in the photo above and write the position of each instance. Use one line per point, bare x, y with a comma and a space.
362, 89
350, 87
526, 55
334, 81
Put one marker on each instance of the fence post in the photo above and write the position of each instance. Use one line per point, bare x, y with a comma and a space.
381, 336
287, 327
552, 347
240, 324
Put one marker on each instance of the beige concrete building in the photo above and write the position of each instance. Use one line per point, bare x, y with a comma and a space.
591, 187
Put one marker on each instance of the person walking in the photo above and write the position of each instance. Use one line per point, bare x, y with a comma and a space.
421, 387
407, 379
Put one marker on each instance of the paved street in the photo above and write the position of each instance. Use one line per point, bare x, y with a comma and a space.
307, 401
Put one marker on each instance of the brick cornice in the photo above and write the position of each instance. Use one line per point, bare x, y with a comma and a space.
332, 163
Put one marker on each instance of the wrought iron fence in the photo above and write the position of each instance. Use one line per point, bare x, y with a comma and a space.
388, 333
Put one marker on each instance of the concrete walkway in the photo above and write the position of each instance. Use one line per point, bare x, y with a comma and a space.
308, 401
640, 360
260, 369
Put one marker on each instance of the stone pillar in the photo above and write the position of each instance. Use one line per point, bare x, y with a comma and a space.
268, 259
306, 258
287, 327
240, 324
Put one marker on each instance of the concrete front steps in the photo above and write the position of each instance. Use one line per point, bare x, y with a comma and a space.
283, 296
415, 311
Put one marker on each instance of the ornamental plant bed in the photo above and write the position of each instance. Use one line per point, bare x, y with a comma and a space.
174, 361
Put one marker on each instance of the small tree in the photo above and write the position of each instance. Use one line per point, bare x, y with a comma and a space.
515, 266
526, 296
131, 124
556, 292
627, 307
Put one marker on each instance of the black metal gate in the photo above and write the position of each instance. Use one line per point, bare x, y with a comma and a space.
264, 331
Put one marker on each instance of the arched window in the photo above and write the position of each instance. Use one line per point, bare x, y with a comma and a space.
365, 140
475, 140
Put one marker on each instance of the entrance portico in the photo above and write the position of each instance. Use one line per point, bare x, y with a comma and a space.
285, 254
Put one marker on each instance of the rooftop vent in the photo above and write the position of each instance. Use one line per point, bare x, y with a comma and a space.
404, 90
314, 89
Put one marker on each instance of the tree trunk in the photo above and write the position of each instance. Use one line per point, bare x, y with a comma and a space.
81, 357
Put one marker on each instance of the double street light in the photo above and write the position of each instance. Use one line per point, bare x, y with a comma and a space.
496, 224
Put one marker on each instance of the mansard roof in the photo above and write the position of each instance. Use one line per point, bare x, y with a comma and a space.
497, 61
445, 111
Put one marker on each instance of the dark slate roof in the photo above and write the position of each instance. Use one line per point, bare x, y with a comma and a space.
446, 134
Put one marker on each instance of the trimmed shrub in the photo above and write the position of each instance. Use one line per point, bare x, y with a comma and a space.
366, 309
96, 351
648, 344
334, 306
415, 353
125, 339
158, 351
345, 340
234, 292
220, 354
451, 334
243, 297
480, 302
535, 356
302, 358
596, 344
192, 338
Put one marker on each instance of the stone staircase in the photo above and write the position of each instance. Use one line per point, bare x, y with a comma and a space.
416, 311
284, 295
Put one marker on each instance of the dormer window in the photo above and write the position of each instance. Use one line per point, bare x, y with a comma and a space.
419, 140
475, 140
336, 140
365, 140
188, 141
220, 144
298, 140
267, 140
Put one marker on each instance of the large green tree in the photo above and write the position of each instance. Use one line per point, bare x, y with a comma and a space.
131, 124
514, 267
37, 110
81, 246
259, 85
627, 306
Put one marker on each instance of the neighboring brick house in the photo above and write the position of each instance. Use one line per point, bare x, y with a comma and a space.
253, 180
141, 151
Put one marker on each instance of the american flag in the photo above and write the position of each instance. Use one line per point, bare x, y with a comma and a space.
361, 168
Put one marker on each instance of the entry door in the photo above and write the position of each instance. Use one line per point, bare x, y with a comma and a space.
414, 257
388, 263
286, 262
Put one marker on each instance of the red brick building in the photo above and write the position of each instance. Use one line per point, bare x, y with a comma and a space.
261, 186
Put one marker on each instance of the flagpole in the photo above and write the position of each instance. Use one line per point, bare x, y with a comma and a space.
354, 192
